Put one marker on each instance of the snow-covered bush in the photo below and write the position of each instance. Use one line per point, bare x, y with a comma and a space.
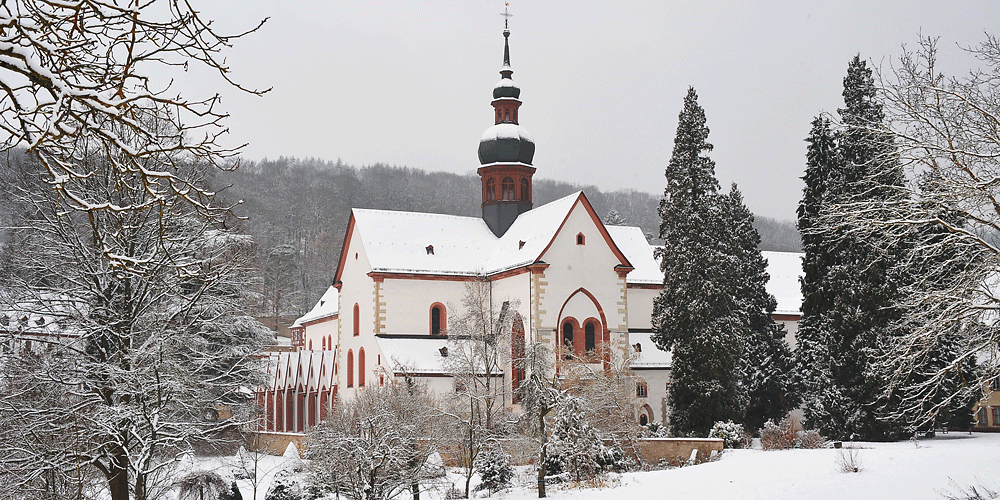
286, 486
655, 430
780, 436
731, 433
809, 439
578, 448
207, 485
493, 465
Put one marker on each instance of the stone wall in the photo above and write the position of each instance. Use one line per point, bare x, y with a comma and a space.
274, 443
676, 451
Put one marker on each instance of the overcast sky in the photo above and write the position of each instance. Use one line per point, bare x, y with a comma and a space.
409, 83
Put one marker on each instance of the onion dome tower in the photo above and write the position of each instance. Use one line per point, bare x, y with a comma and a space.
505, 153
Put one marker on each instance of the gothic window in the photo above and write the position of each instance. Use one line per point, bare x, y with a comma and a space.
568, 338
508, 188
490, 190
525, 195
438, 318
350, 368
516, 355
589, 337
357, 320
361, 367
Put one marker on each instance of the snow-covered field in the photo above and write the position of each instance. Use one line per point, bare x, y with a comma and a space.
925, 469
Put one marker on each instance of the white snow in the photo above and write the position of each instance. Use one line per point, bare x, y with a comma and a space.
927, 469
507, 131
632, 242
785, 269
650, 356
325, 307
415, 355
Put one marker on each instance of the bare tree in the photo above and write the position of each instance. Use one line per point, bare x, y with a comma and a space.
376, 445
945, 132
478, 350
539, 395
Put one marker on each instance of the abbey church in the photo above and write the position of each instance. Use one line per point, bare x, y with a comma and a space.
571, 281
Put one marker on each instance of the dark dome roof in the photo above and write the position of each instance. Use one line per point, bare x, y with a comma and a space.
506, 143
506, 88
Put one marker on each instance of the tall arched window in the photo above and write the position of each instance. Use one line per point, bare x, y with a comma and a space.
567, 340
491, 190
350, 368
361, 367
508, 188
516, 357
357, 320
324, 343
438, 318
589, 337
525, 187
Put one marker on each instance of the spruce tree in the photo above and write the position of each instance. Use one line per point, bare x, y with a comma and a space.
697, 315
852, 278
766, 363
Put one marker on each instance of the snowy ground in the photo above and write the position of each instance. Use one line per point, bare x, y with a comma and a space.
925, 469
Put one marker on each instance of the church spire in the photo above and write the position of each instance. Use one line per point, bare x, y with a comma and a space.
505, 152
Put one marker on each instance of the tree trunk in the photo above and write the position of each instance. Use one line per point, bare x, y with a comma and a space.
541, 455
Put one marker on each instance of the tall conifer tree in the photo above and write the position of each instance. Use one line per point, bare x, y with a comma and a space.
851, 280
697, 315
766, 363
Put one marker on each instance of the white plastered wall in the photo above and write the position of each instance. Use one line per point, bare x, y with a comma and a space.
408, 303
317, 331
590, 266
640, 307
358, 288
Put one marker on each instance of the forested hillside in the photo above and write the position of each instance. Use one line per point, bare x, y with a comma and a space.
297, 210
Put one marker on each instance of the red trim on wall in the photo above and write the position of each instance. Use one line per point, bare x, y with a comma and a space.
345, 250
644, 286
444, 319
786, 317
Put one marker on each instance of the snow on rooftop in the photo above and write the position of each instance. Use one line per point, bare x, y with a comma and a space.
399, 241
507, 131
325, 307
535, 228
632, 242
785, 269
649, 355
415, 355
505, 82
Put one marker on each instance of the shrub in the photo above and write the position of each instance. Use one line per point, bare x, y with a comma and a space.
732, 434
493, 465
810, 439
778, 436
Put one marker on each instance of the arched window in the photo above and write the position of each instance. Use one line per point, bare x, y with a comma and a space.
508, 188
581, 239
324, 343
491, 190
643, 420
516, 357
525, 188
361, 367
506, 115
357, 320
329, 342
310, 344
498, 115
567, 340
350, 368
589, 337
438, 318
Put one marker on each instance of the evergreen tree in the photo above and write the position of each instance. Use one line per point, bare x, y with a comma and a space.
852, 278
697, 315
766, 363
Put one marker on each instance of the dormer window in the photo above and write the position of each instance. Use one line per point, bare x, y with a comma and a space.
580, 239
444, 352
430, 249
520, 244
638, 347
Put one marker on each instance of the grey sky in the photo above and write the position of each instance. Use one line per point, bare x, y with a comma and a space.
409, 83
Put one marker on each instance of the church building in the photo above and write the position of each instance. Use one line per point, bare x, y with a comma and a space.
571, 282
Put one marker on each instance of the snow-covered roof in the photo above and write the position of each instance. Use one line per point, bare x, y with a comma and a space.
414, 355
507, 131
325, 307
632, 242
398, 241
650, 356
309, 369
785, 269
535, 228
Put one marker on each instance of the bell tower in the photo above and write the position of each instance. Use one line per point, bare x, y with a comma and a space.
505, 153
